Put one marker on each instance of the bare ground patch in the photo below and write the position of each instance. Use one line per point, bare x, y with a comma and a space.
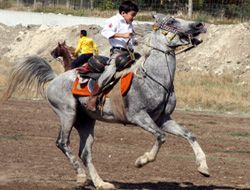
29, 159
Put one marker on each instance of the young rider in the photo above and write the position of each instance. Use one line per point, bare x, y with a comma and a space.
118, 30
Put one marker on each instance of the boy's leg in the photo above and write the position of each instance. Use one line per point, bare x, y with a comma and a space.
84, 58
76, 62
103, 80
107, 75
81, 60
109, 71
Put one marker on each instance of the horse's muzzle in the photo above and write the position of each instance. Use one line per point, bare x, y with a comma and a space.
198, 28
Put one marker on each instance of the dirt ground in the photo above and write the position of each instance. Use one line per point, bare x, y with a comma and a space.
29, 159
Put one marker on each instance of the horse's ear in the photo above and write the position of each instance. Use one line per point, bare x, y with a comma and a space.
59, 44
64, 42
154, 14
158, 17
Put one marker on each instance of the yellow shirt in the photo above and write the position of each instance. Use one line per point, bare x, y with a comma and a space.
86, 45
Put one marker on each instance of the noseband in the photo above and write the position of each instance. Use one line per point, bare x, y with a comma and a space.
168, 27
164, 25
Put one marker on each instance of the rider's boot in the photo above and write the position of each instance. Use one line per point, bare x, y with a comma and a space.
91, 102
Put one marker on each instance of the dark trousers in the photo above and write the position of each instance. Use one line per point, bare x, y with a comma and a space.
79, 61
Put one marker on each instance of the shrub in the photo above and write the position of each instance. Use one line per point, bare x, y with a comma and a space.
4, 4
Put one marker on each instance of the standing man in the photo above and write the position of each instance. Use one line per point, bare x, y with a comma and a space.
86, 47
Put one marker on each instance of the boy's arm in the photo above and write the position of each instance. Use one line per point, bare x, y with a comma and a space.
110, 30
96, 51
78, 47
110, 33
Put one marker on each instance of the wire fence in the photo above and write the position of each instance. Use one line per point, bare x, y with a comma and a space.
217, 8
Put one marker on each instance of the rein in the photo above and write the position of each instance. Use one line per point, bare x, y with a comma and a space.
166, 53
164, 25
168, 90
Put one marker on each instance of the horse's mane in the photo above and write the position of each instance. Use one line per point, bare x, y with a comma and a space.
70, 49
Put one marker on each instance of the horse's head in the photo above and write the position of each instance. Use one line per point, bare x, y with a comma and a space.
59, 50
64, 51
175, 32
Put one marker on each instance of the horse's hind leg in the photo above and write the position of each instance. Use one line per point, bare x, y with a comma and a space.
63, 144
170, 126
143, 120
85, 128
67, 116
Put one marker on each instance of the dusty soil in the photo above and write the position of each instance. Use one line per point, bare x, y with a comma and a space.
225, 48
29, 159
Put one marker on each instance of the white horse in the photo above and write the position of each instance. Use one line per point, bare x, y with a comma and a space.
148, 104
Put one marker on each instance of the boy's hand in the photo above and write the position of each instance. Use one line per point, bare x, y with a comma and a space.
128, 35
123, 35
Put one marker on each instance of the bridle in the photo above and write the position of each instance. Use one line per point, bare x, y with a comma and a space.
163, 26
167, 28
169, 52
171, 31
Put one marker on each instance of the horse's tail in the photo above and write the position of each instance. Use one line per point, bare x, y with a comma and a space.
30, 71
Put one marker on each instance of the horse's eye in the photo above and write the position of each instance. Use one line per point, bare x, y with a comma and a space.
171, 21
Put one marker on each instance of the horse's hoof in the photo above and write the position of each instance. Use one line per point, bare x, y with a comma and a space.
138, 163
105, 186
204, 171
162, 138
81, 179
141, 161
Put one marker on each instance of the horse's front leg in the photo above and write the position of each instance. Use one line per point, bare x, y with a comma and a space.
143, 120
148, 156
170, 126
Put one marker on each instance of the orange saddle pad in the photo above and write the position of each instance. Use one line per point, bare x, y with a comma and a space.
82, 90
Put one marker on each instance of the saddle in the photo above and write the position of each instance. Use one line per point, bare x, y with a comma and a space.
92, 70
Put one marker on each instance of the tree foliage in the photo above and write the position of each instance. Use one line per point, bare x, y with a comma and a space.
225, 8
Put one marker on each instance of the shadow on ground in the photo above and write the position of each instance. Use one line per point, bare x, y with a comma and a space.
162, 186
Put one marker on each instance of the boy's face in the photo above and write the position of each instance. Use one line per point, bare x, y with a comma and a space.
129, 17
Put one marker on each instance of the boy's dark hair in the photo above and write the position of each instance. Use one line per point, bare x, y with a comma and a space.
84, 32
128, 6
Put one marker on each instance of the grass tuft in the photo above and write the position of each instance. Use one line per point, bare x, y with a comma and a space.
209, 92
11, 137
240, 134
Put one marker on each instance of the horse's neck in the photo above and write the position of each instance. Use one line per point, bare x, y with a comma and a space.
159, 62
67, 57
